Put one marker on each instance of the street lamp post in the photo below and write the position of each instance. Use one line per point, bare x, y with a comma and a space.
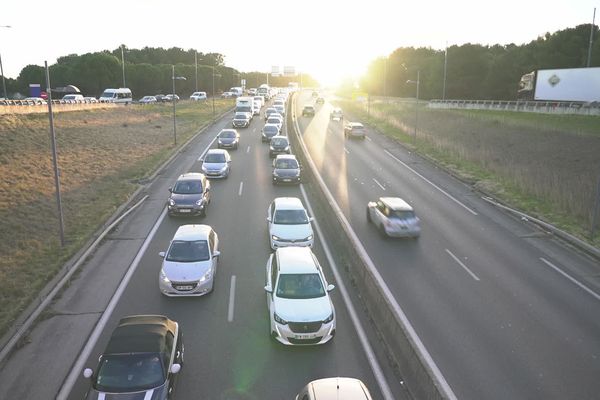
2, 69
173, 78
445, 67
417, 82
196, 63
123, 63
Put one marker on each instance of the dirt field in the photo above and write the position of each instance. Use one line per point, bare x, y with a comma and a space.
101, 155
547, 165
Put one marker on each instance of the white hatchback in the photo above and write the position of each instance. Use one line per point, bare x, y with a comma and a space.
190, 262
289, 223
300, 309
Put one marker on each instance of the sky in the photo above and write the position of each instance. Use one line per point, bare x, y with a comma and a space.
329, 39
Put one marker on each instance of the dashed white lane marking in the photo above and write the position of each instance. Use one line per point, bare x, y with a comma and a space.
231, 299
346, 150
431, 183
368, 138
248, 150
241, 188
463, 265
380, 185
569, 277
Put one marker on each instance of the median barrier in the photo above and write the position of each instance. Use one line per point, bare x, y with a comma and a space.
404, 348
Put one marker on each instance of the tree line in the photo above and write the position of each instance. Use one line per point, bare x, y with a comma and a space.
475, 71
148, 71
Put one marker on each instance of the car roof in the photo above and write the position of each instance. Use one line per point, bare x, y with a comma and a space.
296, 260
356, 124
217, 151
228, 130
286, 156
192, 232
140, 334
309, 106
288, 203
279, 137
396, 203
267, 125
339, 388
190, 176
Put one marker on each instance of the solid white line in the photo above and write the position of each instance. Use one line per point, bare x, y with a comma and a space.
368, 138
241, 188
248, 150
463, 265
431, 183
375, 367
569, 277
206, 149
91, 343
380, 185
346, 150
231, 299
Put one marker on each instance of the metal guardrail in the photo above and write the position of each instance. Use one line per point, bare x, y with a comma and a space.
44, 103
545, 107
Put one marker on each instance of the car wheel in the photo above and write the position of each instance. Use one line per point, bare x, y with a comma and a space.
368, 215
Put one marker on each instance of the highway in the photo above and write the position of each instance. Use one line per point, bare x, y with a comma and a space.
228, 351
505, 310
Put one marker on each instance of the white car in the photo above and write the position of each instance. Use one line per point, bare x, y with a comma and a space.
289, 223
190, 263
198, 96
216, 163
274, 119
393, 217
300, 309
280, 109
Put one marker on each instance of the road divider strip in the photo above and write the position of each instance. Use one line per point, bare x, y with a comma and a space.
379, 184
569, 277
231, 299
463, 265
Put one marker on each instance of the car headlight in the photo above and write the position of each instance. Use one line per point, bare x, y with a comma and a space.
223, 168
199, 202
309, 237
204, 169
206, 276
287, 148
271, 148
274, 237
171, 202
328, 319
163, 277
279, 320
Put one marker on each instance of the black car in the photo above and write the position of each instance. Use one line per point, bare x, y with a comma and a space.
320, 100
141, 360
286, 169
160, 98
279, 145
190, 195
269, 131
308, 111
228, 139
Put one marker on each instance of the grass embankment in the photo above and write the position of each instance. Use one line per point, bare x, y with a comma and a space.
101, 156
545, 165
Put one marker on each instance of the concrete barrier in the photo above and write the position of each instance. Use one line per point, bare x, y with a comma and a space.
405, 349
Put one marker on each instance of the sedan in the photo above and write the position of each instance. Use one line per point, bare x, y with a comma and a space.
190, 262
289, 223
279, 145
269, 131
354, 130
141, 360
216, 163
269, 111
148, 99
241, 120
308, 111
276, 120
393, 217
228, 138
286, 169
190, 195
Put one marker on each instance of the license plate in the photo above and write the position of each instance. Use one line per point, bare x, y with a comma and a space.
306, 336
185, 210
184, 287
287, 180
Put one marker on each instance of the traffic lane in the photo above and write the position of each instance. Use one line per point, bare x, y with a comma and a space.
359, 215
206, 318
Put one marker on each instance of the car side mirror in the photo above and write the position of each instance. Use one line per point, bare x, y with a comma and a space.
171, 189
269, 219
330, 287
175, 368
311, 219
216, 254
268, 289
87, 373
162, 254
201, 159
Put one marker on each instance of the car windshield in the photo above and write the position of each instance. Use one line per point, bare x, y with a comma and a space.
227, 134
357, 128
214, 158
402, 214
241, 115
108, 94
309, 108
279, 142
188, 187
188, 251
273, 121
130, 372
300, 286
290, 217
286, 164
270, 129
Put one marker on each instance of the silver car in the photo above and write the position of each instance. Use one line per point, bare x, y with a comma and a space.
190, 262
393, 217
216, 163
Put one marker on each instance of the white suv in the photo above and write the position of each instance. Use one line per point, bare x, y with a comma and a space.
198, 96
289, 223
300, 309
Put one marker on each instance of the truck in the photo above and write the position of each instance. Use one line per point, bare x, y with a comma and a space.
580, 85
265, 91
245, 104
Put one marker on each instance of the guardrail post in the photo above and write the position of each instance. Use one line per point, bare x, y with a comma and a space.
596, 211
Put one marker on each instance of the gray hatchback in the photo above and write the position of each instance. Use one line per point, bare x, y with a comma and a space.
190, 195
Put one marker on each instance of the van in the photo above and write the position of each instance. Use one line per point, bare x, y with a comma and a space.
237, 91
198, 96
121, 95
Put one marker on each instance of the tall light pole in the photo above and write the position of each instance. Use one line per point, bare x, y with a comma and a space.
123, 63
385, 67
196, 63
174, 78
2, 69
418, 81
445, 66
589, 57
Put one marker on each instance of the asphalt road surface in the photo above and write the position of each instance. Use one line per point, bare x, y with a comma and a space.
505, 310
